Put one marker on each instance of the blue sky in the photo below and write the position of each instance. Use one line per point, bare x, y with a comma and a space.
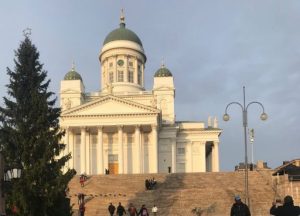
213, 49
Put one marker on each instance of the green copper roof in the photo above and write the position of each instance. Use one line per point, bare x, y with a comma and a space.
122, 33
163, 72
72, 75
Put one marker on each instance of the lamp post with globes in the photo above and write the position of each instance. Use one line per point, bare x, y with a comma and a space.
9, 175
263, 117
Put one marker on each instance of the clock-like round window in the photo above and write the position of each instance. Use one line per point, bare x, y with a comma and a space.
120, 62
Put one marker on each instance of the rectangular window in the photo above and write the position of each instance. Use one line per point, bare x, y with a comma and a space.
111, 77
112, 158
120, 76
130, 63
130, 76
181, 151
111, 64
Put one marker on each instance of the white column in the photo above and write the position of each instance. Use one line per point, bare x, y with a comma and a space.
215, 157
66, 150
121, 154
100, 151
87, 152
174, 152
125, 78
155, 149
202, 156
137, 141
71, 149
82, 151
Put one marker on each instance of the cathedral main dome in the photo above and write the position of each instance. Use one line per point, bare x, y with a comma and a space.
122, 33
122, 60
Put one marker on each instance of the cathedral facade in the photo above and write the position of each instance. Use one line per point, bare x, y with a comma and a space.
126, 129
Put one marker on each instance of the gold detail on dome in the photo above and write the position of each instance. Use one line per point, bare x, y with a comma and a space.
122, 17
162, 63
73, 66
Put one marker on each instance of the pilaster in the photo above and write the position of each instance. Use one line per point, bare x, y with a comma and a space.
174, 152
155, 149
215, 157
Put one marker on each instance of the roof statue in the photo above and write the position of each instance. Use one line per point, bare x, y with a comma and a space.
209, 123
215, 122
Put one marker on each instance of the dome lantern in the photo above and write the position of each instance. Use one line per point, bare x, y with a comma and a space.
72, 74
163, 72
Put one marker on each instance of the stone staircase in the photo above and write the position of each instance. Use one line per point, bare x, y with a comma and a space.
175, 194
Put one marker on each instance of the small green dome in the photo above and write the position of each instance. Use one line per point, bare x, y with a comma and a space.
163, 72
72, 75
122, 33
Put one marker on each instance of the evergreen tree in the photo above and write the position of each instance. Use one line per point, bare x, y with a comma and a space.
30, 138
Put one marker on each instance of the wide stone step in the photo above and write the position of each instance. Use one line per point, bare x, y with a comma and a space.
175, 194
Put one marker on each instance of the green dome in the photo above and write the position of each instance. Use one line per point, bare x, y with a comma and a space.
163, 72
72, 75
122, 33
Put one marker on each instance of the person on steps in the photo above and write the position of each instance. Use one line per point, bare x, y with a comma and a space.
143, 211
287, 209
132, 210
111, 209
120, 210
239, 208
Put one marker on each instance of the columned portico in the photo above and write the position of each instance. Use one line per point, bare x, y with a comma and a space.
125, 149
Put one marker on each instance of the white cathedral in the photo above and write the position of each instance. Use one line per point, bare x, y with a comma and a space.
126, 129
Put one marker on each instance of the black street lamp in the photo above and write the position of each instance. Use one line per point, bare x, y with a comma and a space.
263, 117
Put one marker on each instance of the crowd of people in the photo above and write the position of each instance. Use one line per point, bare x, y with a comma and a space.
287, 208
150, 184
132, 210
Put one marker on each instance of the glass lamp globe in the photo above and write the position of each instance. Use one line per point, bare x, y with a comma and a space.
264, 116
226, 117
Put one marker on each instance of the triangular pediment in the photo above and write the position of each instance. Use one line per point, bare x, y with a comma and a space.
110, 105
